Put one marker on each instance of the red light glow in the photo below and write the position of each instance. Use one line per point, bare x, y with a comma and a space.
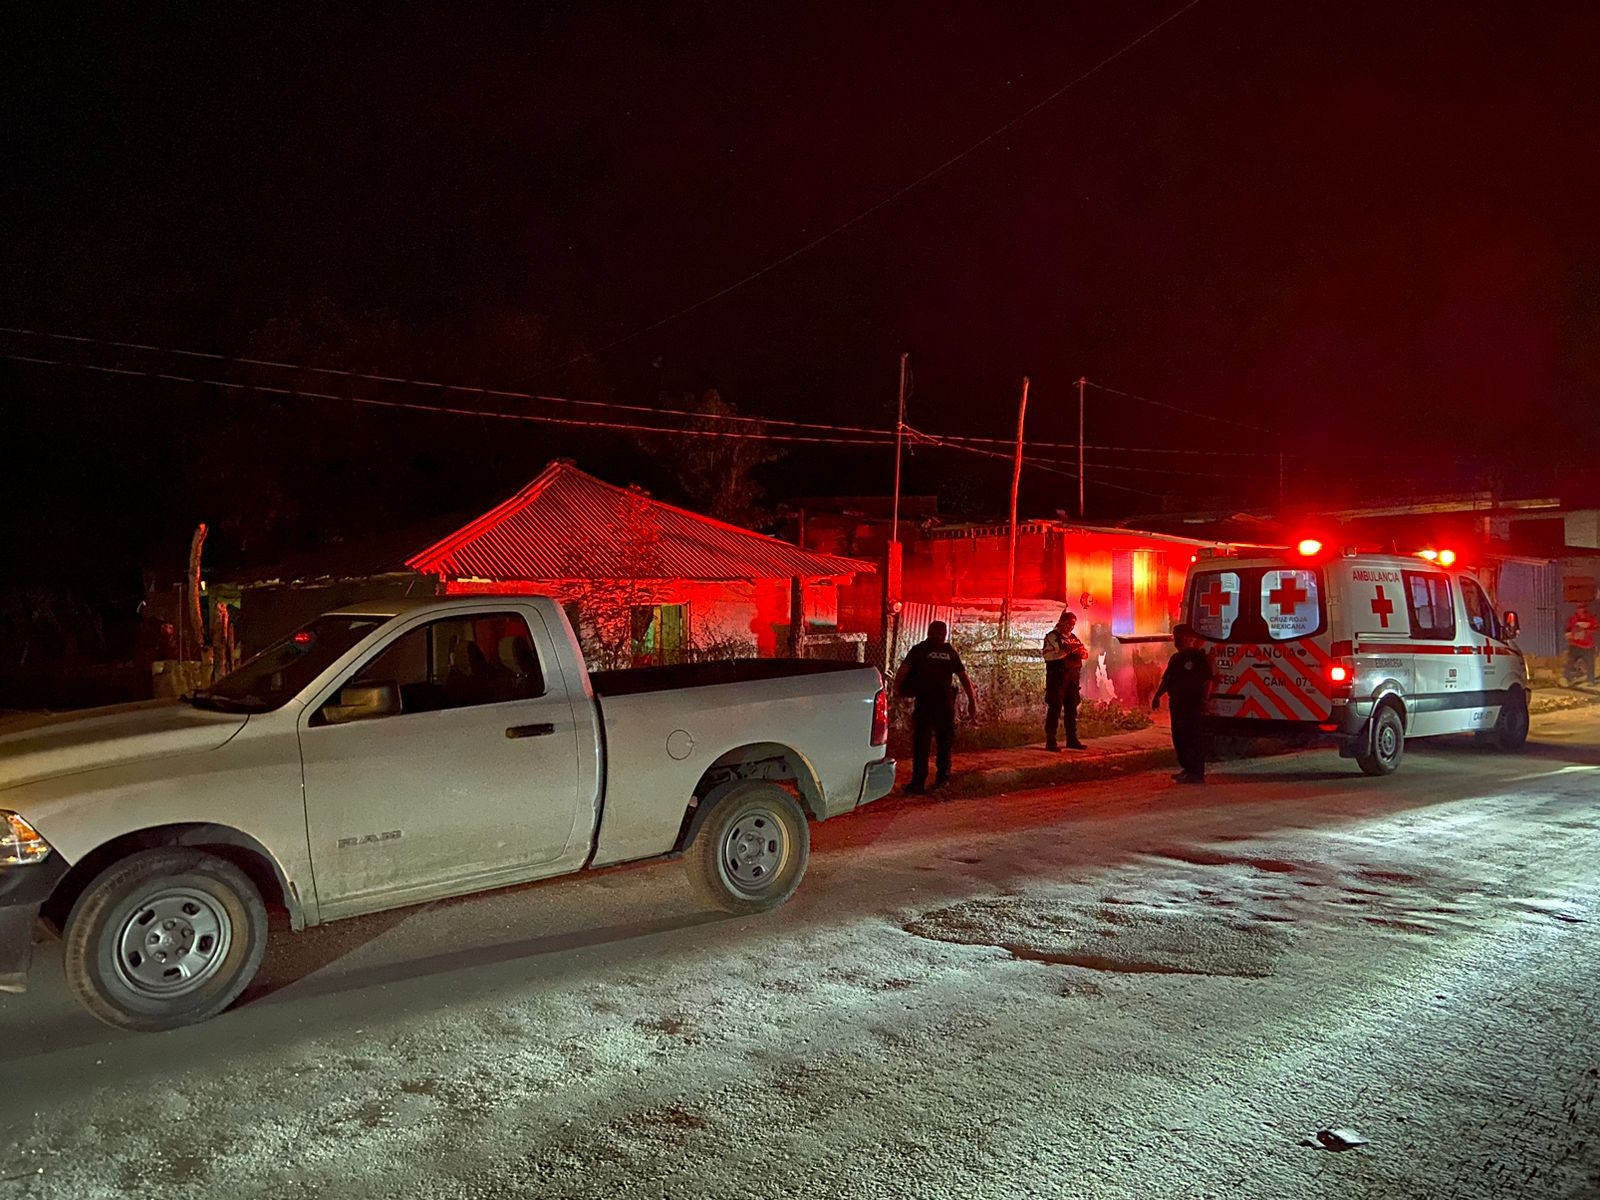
1309, 546
1446, 557
302, 638
880, 718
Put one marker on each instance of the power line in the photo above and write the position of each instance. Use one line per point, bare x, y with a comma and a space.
1189, 412
462, 389
545, 419
449, 410
925, 177
765, 423
1038, 463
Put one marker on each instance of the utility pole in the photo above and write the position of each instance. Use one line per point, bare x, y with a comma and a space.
1082, 383
1011, 548
899, 441
893, 558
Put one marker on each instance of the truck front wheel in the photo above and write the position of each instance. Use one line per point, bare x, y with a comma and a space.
164, 938
750, 851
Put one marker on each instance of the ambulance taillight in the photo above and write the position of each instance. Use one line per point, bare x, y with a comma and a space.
1342, 670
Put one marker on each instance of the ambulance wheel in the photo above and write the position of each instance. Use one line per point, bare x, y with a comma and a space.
1387, 744
1511, 727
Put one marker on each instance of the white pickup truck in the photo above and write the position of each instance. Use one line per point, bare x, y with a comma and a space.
396, 753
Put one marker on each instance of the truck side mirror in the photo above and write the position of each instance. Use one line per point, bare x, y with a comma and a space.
363, 701
1509, 623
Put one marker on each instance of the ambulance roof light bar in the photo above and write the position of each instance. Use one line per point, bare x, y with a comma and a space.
1443, 557
1309, 547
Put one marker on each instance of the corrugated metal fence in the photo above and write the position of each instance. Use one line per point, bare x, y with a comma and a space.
1533, 591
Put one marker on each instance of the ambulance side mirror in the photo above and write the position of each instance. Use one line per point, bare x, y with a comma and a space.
1510, 624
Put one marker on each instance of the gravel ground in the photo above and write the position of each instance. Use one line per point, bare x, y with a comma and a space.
1119, 989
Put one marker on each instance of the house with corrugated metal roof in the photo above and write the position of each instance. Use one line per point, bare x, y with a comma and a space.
647, 582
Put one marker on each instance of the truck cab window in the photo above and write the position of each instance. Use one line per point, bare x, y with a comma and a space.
458, 662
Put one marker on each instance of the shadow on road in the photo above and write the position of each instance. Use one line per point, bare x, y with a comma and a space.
474, 957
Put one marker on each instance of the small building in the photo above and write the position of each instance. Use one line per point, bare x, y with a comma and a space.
1121, 582
647, 582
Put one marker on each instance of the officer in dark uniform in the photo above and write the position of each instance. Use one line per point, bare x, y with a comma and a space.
1187, 683
1064, 656
928, 677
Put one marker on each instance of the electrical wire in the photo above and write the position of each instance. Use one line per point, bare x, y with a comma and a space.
450, 410
460, 389
1189, 412
764, 423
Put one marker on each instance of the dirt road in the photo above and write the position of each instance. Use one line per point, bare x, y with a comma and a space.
1120, 989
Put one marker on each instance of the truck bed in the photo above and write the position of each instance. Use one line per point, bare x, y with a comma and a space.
634, 681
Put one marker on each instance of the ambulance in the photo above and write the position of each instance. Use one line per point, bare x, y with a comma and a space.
1369, 649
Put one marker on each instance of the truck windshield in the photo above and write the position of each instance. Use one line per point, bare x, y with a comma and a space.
1257, 604
279, 672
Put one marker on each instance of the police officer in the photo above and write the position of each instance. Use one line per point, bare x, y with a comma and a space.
1064, 656
1186, 684
927, 677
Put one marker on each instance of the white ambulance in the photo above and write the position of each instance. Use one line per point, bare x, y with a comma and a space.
1371, 649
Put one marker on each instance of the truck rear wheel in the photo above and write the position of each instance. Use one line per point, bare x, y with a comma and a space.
1387, 744
751, 850
164, 938
1511, 726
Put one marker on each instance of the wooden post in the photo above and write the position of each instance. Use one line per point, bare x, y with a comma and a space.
1011, 548
797, 617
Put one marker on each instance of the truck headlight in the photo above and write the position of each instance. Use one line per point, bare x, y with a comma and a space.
20, 842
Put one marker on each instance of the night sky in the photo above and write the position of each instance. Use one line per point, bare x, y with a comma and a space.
1369, 227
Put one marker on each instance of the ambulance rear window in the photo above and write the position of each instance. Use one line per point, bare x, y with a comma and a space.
1214, 604
1257, 604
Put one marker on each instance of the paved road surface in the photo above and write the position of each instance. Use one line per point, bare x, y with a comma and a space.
1120, 989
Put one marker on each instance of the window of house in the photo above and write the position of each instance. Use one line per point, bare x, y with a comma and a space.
1480, 614
1433, 616
660, 634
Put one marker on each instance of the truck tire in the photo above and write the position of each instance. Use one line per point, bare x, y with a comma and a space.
164, 938
750, 851
1511, 726
1386, 746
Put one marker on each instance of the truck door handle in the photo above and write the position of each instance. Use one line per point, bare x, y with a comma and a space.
522, 731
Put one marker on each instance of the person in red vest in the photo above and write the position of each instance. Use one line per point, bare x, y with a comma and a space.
1581, 628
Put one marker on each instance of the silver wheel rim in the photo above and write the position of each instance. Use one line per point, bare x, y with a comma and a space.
173, 942
1388, 740
755, 849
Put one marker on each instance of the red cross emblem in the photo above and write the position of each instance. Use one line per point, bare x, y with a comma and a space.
1216, 599
1382, 606
1287, 595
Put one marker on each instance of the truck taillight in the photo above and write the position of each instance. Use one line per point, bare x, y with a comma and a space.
880, 718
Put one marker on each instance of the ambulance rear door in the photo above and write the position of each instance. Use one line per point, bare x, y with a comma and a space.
1266, 623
